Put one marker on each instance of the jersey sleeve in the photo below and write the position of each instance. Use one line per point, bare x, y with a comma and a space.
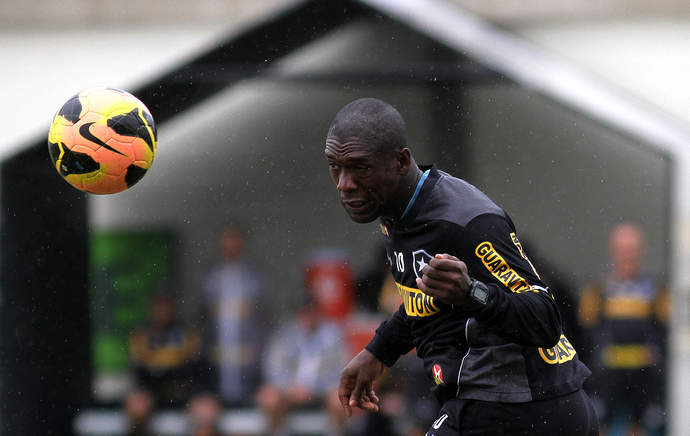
520, 307
393, 339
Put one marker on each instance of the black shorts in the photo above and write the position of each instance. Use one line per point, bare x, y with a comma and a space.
571, 414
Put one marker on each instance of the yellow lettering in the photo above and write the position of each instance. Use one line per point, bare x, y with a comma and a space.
416, 302
483, 248
493, 266
521, 286
562, 352
500, 269
522, 253
549, 355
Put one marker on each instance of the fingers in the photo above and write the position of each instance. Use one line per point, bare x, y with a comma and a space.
351, 398
365, 403
445, 262
356, 383
445, 278
372, 396
345, 392
441, 271
345, 402
443, 268
363, 397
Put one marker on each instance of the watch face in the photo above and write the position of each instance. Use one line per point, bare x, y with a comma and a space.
480, 293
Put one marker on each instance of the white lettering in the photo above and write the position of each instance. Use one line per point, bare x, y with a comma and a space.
399, 261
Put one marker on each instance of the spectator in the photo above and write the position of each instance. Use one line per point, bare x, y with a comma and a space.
204, 411
330, 281
624, 316
236, 319
302, 368
165, 353
138, 408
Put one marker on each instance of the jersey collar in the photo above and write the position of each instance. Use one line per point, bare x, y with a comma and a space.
416, 192
421, 193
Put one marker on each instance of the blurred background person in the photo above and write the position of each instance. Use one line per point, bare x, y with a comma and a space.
623, 316
204, 411
302, 366
236, 316
139, 407
165, 353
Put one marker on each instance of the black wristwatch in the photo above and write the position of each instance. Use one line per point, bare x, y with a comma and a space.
477, 296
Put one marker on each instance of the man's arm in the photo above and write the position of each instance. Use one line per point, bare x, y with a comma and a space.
357, 383
392, 340
527, 318
519, 308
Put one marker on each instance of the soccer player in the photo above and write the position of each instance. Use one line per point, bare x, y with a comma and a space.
486, 327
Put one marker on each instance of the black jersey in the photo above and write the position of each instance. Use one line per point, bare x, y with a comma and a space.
512, 350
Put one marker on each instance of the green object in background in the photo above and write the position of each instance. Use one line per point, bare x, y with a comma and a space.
125, 270
110, 352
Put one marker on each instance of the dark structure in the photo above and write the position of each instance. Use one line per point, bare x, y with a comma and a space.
44, 309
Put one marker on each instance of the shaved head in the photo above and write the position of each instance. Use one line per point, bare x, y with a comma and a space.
372, 121
368, 158
626, 248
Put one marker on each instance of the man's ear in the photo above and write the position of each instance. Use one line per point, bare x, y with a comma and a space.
404, 161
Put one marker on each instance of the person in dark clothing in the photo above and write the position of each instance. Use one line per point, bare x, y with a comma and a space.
486, 327
165, 353
624, 316
139, 407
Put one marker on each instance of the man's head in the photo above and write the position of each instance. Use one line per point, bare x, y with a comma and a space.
231, 243
139, 407
205, 411
373, 121
369, 162
163, 311
626, 248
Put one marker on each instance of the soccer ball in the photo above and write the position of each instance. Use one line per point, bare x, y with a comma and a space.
103, 140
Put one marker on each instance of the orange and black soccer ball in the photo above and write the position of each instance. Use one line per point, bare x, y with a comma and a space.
103, 140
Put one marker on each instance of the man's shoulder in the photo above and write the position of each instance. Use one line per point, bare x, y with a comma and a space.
458, 201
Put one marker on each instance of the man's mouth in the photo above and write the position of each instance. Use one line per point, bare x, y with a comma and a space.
354, 204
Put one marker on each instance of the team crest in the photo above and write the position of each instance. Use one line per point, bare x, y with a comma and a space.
384, 230
438, 374
420, 259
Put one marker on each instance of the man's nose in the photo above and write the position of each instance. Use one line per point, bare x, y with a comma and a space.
346, 181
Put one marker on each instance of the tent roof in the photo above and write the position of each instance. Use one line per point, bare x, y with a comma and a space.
252, 51
535, 69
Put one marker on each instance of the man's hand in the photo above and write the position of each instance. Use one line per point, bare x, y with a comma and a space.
445, 278
357, 383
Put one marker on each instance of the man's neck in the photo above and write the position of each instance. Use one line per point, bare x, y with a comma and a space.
408, 187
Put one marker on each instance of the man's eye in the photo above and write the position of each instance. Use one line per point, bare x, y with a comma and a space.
362, 168
332, 165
